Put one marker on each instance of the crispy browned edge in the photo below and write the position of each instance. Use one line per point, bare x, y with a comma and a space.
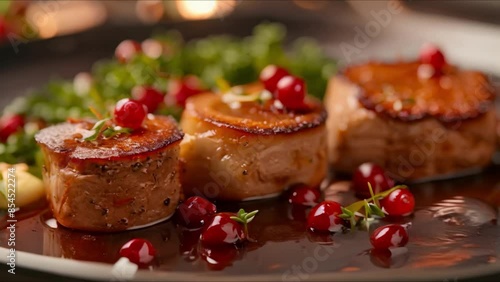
366, 102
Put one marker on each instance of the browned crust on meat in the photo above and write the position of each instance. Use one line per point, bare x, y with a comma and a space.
65, 139
255, 118
395, 91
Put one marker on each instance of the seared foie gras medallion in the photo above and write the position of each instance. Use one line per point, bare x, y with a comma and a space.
249, 149
112, 184
415, 119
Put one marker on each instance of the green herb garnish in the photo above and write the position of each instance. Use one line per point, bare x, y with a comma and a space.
371, 207
245, 218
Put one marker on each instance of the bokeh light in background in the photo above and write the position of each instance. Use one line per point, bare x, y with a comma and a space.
150, 11
51, 18
198, 10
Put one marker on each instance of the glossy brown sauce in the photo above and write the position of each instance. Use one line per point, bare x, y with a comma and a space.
283, 243
397, 91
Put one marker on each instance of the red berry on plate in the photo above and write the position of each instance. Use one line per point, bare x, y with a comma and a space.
389, 236
291, 92
148, 96
222, 230
375, 175
304, 195
129, 113
400, 202
179, 90
10, 125
271, 75
324, 217
431, 55
138, 251
194, 212
126, 50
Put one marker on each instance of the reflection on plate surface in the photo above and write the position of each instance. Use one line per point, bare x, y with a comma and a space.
453, 228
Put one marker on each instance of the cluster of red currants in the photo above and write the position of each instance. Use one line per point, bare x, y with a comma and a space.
326, 216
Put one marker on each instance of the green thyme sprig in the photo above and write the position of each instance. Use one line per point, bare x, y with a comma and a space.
245, 218
370, 206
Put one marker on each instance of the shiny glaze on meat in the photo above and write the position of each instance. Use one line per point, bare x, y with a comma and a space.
395, 90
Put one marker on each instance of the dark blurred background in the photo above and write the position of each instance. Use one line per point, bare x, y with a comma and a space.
47, 39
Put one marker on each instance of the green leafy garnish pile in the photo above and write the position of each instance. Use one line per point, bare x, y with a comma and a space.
235, 60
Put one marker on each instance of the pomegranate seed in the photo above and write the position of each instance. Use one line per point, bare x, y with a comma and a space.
304, 195
179, 90
129, 113
324, 217
222, 230
194, 212
148, 96
10, 125
431, 55
138, 251
291, 92
400, 202
126, 50
219, 257
375, 175
271, 75
389, 236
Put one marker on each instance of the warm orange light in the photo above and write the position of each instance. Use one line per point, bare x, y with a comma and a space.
203, 9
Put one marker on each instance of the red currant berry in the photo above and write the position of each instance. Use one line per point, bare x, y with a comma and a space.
375, 175
389, 236
129, 113
271, 75
222, 230
179, 90
194, 212
291, 92
10, 125
400, 202
431, 55
304, 195
148, 96
126, 50
138, 251
324, 217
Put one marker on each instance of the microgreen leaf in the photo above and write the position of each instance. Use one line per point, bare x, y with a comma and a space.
111, 132
376, 210
223, 85
371, 207
244, 218
97, 128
